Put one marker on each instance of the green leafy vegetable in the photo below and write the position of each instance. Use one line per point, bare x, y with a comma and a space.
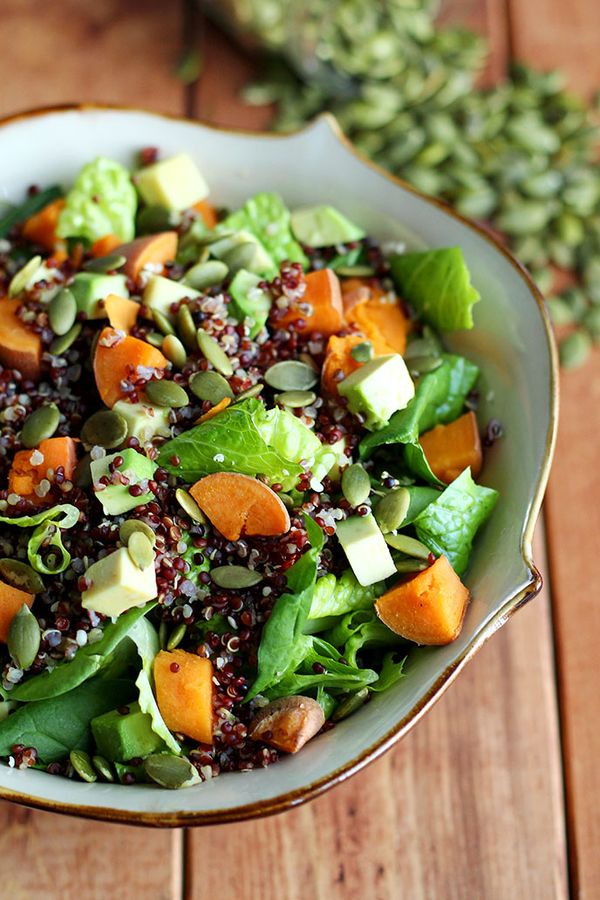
28, 208
102, 201
437, 284
59, 724
87, 661
335, 596
358, 629
49, 522
339, 677
144, 636
65, 515
391, 672
268, 219
420, 497
448, 525
287, 435
328, 703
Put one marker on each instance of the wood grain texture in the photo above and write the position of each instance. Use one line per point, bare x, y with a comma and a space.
59, 52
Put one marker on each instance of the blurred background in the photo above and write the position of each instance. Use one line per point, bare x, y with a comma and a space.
491, 105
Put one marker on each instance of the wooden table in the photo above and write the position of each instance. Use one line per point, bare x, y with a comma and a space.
496, 793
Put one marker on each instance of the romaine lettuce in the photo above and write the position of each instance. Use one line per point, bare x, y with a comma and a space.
268, 219
102, 201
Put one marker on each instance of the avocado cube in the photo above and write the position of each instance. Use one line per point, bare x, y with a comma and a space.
116, 497
90, 288
121, 736
262, 262
249, 303
323, 226
175, 183
378, 389
366, 549
144, 421
161, 292
116, 584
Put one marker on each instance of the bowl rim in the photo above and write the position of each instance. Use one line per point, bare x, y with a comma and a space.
297, 797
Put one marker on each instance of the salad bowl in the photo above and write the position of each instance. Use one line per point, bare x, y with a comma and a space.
511, 343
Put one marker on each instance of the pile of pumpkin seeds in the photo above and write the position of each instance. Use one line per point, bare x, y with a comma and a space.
521, 156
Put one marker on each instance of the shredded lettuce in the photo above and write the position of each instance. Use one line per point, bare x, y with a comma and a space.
102, 201
268, 219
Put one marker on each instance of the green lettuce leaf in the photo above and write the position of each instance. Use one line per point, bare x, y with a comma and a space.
268, 219
449, 524
338, 677
391, 672
335, 596
102, 201
287, 435
144, 636
438, 286
361, 628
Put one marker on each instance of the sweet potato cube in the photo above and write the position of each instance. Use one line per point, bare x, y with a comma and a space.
184, 693
450, 449
11, 601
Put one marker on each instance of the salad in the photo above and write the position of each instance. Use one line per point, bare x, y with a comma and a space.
237, 472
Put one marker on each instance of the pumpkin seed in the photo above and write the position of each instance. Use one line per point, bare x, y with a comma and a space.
296, 399
286, 500
82, 475
391, 510
235, 577
24, 637
410, 565
40, 425
575, 349
205, 274
362, 352
240, 257
62, 343
421, 365
171, 771
186, 328
355, 271
349, 704
131, 526
174, 350
421, 347
177, 635
211, 237
62, 311
250, 392
161, 322
21, 279
214, 353
166, 393
105, 428
210, 386
155, 338
356, 484
105, 263
189, 506
408, 545
19, 575
103, 768
82, 763
291, 375
155, 218
140, 550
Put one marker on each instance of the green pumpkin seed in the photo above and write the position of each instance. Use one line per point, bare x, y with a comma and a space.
62, 343
189, 506
575, 349
171, 772
19, 575
105, 263
205, 274
174, 350
105, 428
161, 322
83, 474
408, 545
211, 237
362, 352
177, 635
140, 550
155, 338
286, 500
421, 365
250, 392
152, 219
214, 353
291, 375
356, 484
355, 271
235, 577
166, 393
132, 526
62, 312
296, 399
210, 386
82, 763
24, 637
40, 425
391, 510
103, 768
410, 565
21, 279
420, 347
186, 328
240, 257
349, 704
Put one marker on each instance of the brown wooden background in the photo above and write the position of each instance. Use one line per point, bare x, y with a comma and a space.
496, 793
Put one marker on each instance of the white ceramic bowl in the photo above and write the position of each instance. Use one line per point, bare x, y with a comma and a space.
511, 342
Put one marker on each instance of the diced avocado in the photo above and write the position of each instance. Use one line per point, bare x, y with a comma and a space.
89, 288
116, 497
378, 389
366, 549
261, 263
175, 183
116, 584
121, 736
249, 303
144, 421
324, 226
161, 292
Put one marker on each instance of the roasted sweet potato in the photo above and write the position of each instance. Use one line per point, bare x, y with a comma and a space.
207, 213
105, 245
20, 348
11, 601
41, 227
122, 313
184, 692
25, 475
338, 359
152, 249
119, 357
287, 723
323, 296
238, 504
450, 449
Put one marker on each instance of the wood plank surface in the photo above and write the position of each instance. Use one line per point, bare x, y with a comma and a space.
56, 53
